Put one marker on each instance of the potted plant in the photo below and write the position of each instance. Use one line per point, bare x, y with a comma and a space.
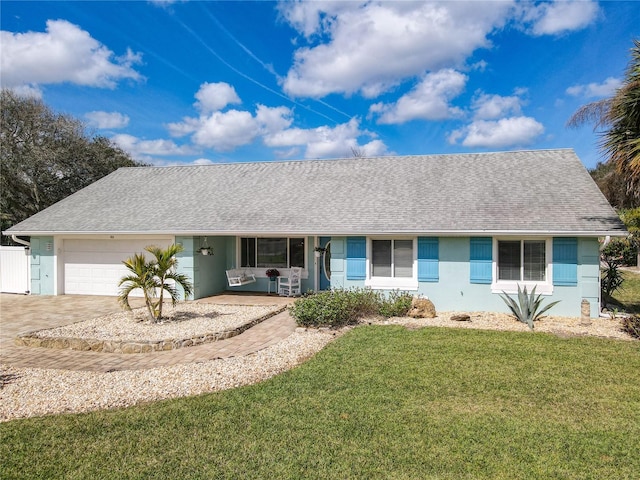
272, 273
319, 251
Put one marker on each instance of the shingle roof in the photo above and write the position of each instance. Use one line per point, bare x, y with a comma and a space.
545, 191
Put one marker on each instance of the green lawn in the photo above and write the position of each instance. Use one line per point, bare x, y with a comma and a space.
629, 294
380, 402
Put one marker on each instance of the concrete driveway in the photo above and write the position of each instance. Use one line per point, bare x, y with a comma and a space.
24, 313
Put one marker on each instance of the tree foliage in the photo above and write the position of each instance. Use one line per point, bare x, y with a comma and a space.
618, 118
613, 185
154, 277
47, 156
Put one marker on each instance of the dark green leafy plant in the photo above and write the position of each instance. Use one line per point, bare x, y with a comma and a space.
611, 278
623, 248
528, 308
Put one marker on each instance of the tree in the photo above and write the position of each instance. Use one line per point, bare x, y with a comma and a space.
613, 185
154, 277
47, 156
619, 117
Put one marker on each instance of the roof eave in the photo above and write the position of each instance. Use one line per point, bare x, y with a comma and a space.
336, 233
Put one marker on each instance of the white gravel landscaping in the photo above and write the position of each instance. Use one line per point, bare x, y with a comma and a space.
186, 320
28, 392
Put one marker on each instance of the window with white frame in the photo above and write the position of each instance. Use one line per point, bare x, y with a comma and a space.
522, 260
272, 252
392, 258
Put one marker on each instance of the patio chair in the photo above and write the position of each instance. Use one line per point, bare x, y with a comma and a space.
238, 278
290, 285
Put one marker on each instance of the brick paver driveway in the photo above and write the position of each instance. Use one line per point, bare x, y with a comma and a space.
24, 313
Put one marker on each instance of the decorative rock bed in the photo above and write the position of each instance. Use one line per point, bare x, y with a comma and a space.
31, 392
184, 326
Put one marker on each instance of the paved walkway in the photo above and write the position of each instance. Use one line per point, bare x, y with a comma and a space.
24, 313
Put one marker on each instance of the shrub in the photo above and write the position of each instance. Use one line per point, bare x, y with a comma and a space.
397, 304
335, 308
528, 308
631, 325
623, 248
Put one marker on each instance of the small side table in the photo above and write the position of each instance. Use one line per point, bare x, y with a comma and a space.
275, 286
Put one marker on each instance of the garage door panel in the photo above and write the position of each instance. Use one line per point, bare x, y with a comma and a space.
94, 267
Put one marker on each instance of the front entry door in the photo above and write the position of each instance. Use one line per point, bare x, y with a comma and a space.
324, 264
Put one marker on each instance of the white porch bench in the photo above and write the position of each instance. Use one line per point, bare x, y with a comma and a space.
237, 277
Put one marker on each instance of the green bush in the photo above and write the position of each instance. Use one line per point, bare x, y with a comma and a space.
335, 308
396, 305
631, 325
339, 307
622, 248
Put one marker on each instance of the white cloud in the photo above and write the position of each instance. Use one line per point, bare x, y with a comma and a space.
374, 148
512, 131
553, 18
595, 90
215, 96
488, 107
324, 142
273, 119
429, 100
225, 131
142, 149
33, 91
107, 120
373, 46
230, 129
64, 53
203, 161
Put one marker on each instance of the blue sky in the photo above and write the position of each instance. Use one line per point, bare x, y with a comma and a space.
205, 82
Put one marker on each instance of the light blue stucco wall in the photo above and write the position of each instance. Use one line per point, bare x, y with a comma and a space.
206, 272
42, 266
455, 292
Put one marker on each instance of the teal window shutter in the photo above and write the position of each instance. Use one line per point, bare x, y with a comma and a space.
356, 258
480, 260
565, 261
428, 259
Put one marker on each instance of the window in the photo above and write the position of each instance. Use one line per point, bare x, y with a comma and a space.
272, 252
522, 260
392, 258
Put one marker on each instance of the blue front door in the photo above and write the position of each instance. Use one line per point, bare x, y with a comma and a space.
324, 264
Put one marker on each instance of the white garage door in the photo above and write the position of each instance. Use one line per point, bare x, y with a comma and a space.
94, 267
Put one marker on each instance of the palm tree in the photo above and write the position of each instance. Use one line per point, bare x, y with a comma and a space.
154, 277
619, 116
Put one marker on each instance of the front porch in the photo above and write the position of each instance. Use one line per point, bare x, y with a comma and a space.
246, 298
208, 269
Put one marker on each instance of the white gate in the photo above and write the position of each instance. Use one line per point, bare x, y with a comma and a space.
14, 270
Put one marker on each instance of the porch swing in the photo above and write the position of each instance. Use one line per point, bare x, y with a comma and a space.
238, 277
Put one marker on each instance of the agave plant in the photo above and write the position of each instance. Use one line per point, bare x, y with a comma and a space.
529, 308
154, 277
